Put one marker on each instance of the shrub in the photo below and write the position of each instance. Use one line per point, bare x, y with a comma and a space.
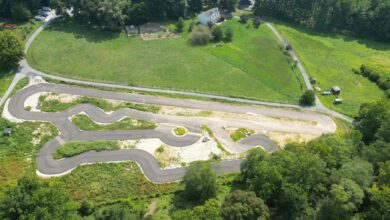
180, 25
191, 26
217, 33
256, 22
200, 36
244, 19
378, 73
229, 33
308, 98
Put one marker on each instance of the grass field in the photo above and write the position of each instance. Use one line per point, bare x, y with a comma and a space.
330, 58
252, 66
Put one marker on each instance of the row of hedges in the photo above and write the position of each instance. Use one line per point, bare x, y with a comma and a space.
378, 73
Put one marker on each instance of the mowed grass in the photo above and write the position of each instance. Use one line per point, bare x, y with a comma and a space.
5, 80
252, 66
330, 58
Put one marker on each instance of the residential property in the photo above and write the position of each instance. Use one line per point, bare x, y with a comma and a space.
211, 15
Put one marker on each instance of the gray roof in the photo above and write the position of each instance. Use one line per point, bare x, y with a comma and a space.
209, 12
336, 88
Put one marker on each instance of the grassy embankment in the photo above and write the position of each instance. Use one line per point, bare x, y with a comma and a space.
330, 58
53, 105
251, 66
84, 123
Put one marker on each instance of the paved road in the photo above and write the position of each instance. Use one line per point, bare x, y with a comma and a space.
46, 165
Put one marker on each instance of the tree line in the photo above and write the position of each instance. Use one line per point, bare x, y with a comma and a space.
113, 14
358, 17
21, 10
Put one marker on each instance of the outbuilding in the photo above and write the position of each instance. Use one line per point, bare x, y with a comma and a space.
7, 132
336, 90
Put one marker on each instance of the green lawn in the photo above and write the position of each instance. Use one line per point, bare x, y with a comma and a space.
84, 123
330, 58
252, 66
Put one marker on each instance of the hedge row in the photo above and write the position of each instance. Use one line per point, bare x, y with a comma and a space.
377, 73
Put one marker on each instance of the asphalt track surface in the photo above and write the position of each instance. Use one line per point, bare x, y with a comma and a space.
46, 165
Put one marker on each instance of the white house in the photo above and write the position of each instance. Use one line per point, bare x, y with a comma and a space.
211, 15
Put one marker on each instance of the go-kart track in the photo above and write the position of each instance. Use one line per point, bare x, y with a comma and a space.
47, 166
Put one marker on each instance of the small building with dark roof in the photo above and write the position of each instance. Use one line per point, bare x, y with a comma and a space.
336, 90
7, 132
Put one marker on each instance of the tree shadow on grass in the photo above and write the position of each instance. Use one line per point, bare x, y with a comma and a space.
82, 30
368, 42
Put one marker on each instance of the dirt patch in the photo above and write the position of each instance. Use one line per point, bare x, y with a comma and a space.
283, 138
167, 157
128, 144
152, 208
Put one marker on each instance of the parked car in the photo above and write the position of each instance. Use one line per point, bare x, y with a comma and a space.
44, 14
39, 18
46, 9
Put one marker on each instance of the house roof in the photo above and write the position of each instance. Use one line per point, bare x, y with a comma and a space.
209, 12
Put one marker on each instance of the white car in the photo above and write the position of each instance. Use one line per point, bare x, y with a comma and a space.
39, 18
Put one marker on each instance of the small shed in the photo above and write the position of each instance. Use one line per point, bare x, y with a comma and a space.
7, 132
338, 101
336, 90
209, 16
326, 93
313, 80
131, 30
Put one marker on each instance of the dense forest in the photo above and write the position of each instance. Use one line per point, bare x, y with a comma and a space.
358, 17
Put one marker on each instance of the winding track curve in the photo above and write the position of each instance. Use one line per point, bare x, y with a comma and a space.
46, 165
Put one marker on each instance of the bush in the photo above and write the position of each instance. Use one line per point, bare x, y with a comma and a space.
256, 22
244, 19
217, 33
180, 25
308, 98
378, 73
200, 36
229, 33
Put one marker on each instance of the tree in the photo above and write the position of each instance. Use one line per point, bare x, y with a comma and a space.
138, 14
11, 49
217, 33
200, 182
208, 211
371, 117
229, 33
379, 203
308, 98
357, 170
292, 202
200, 36
229, 5
20, 13
345, 198
30, 199
241, 205
195, 6
180, 25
